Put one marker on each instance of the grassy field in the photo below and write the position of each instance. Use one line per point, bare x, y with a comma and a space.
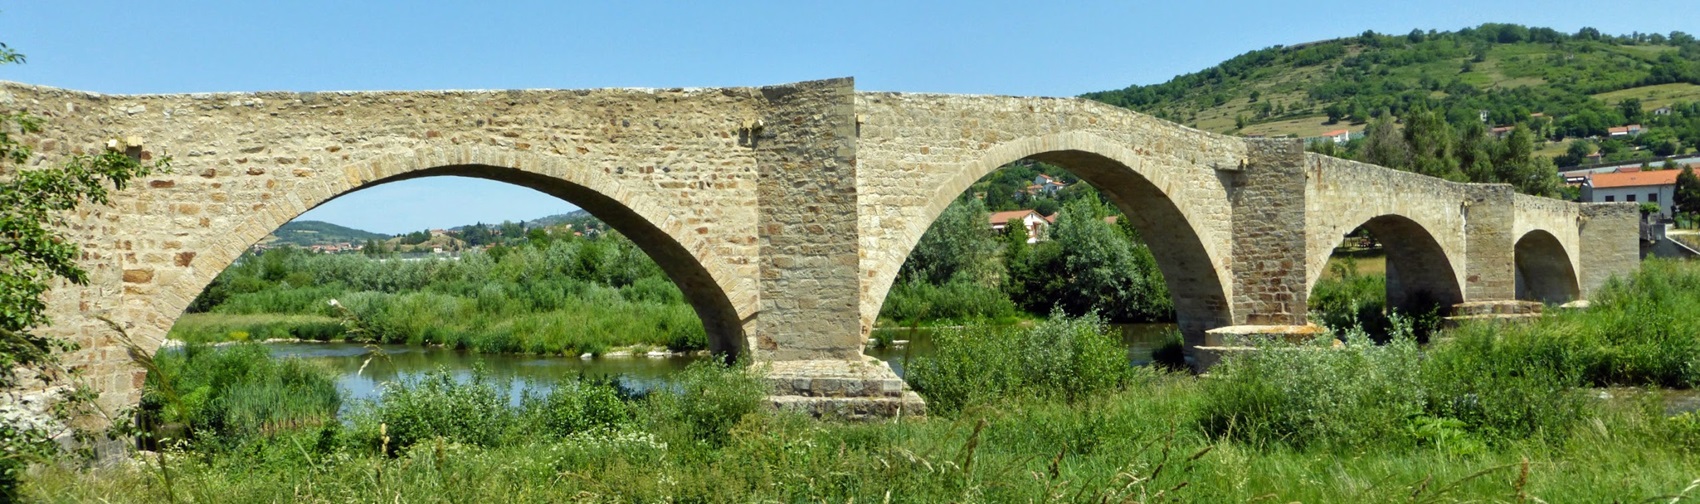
1653, 97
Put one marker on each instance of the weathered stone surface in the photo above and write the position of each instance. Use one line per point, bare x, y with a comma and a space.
783, 212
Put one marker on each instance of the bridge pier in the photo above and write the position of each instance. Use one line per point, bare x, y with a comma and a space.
1268, 198
807, 336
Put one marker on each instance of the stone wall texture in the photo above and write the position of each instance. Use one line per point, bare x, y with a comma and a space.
783, 212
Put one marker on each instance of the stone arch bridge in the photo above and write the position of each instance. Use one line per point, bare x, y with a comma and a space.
784, 212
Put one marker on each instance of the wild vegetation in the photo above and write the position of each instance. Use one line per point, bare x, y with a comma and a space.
556, 294
1497, 103
1049, 413
961, 270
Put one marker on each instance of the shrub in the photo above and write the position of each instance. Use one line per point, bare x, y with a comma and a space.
957, 300
1501, 388
711, 399
1061, 357
578, 406
1311, 394
437, 405
236, 393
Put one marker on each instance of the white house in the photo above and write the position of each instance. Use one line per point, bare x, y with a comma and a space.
1030, 220
1657, 186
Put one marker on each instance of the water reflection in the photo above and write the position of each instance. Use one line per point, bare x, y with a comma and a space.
363, 369
521, 373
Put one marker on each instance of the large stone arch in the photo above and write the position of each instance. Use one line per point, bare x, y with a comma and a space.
1419, 272
1144, 189
1427, 234
680, 252
1544, 270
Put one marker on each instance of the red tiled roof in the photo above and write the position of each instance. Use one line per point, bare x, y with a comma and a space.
1634, 179
1336, 133
1000, 218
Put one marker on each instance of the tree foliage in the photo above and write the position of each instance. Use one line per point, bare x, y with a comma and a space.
1687, 198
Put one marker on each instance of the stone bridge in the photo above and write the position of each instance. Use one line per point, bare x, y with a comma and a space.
784, 212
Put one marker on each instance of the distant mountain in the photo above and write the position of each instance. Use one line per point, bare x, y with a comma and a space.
308, 233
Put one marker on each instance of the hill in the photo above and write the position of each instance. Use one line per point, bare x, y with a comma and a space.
1562, 85
309, 233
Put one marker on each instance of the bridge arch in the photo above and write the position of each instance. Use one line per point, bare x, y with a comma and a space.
1544, 271
681, 253
1420, 274
1191, 258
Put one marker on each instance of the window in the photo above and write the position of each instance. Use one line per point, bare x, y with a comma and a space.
1630, 198
1652, 197
1610, 199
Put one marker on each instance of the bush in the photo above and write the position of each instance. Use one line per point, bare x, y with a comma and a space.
1060, 357
437, 405
712, 399
955, 301
1503, 389
1313, 394
236, 393
579, 406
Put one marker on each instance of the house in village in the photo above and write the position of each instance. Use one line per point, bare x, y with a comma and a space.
1046, 185
1339, 136
1657, 186
1029, 220
1622, 131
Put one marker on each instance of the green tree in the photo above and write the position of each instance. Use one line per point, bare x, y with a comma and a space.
1384, 146
1429, 138
958, 246
1631, 109
1101, 267
1687, 198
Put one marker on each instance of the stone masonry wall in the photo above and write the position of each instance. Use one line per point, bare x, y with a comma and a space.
1561, 219
806, 154
1346, 194
918, 152
1490, 221
664, 166
1610, 241
1269, 235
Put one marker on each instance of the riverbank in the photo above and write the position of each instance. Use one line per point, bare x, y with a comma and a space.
1138, 433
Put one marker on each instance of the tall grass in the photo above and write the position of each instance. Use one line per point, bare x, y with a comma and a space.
1642, 330
223, 395
1067, 358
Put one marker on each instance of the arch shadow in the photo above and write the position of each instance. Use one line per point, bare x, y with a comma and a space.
1544, 272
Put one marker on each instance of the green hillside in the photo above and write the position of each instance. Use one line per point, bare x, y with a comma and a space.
1574, 80
307, 233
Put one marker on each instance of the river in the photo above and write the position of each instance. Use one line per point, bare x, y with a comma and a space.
363, 369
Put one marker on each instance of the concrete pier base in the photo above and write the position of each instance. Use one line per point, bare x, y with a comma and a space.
853, 390
1223, 341
1502, 310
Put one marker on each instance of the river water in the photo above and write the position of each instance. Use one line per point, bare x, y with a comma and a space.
363, 369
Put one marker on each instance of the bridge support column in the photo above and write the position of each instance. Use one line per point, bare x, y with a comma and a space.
807, 332
1268, 198
1610, 243
1490, 271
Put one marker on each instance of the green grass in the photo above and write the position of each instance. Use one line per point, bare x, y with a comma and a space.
218, 327
1127, 444
1490, 413
1653, 97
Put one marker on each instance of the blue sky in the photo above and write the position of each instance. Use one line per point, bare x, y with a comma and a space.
982, 47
